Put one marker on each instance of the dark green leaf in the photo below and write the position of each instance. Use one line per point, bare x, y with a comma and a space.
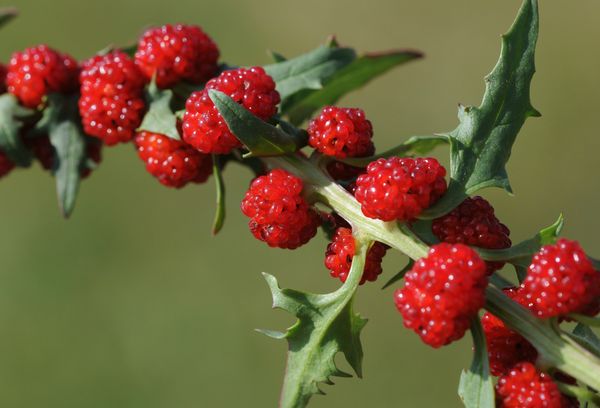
418, 145
586, 337
276, 57
7, 14
261, 138
351, 77
310, 70
520, 254
587, 320
220, 194
400, 274
129, 49
482, 142
499, 281
160, 118
326, 326
11, 141
476, 389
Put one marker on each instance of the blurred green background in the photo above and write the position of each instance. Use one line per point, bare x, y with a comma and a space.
132, 303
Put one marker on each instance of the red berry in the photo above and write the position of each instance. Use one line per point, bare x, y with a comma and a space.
203, 126
38, 71
111, 103
561, 280
340, 252
341, 133
525, 387
279, 214
442, 293
93, 150
505, 346
2, 78
173, 162
342, 171
399, 188
177, 52
42, 149
473, 223
6, 164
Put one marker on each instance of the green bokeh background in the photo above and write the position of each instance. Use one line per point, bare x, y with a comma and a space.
132, 303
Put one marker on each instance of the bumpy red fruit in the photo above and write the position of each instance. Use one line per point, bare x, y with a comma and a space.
339, 254
173, 162
525, 387
93, 150
203, 125
279, 214
505, 346
177, 52
442, 293
38, 71
111, 103
560, 280
6, 164
2, 78
473, 223
400, 188
341, 133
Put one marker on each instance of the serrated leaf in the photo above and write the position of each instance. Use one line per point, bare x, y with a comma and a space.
7, 14
419, 145
400, 274
11, 142
261, 138
160, 118
521, 254
482, 142
310, 70
351, 77
475, 388
220, 195
326, 326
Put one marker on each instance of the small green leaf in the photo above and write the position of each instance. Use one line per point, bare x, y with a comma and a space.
400, 274
521, 254
351, 77
7, 14
476, 389
129, 49
160, 118
261, 138
418, 145
11, 141
310, 70
586, 337
482, 142
220, 194
326, 326
276, 57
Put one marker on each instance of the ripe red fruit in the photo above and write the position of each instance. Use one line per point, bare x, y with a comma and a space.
6, 164
279, 214
525, 387
203, 126
2, 78
473, 223
93, 150
173, 162
341, 133
111, 103
505, 346
561, 280
400, 188
177, 52
339, 254
442, 293
38, 71
340, 171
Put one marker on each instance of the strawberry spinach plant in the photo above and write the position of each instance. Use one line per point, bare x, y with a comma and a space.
190, 116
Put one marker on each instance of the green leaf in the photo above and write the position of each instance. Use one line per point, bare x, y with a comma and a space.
68, 140
351, 77
11, 141
482, 142
310, 70
276, 57
220, 194
326, 326
7, 14
476, 389
417, 145
160, 118
586, 337
587, 320
261, 138
521, 254
400, 274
